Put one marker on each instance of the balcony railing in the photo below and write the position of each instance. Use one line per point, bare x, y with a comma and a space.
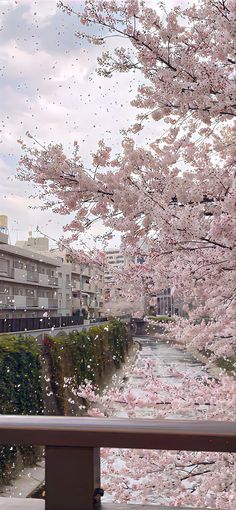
86, 287
52, 280
7, 301
52, 303
10, 273
32, 302
75, 268
72, 454
32, 276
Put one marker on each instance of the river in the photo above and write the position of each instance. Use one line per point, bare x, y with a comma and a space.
170, 363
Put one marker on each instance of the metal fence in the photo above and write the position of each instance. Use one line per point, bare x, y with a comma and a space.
23, 324
33, 323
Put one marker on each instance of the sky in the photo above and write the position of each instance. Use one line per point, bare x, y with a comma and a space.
49, 87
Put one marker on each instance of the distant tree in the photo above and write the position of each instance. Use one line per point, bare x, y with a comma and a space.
173, 194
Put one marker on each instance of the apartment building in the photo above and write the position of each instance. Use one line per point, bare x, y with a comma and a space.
162, 303
115, 260
87, 287
80, 286
28, 283
117, 301
165, 302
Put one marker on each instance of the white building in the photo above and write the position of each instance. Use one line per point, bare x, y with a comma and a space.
115, 259
28, 283
80, 286
117, 301
86, 282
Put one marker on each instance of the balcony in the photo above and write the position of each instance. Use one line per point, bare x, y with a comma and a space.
52, 280
32, 276
9, 273
7, 301
52, 303
32, 302
87, 287
75, 268
86, 271
75, 287
72, 452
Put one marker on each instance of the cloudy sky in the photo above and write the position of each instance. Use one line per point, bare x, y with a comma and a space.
49, 87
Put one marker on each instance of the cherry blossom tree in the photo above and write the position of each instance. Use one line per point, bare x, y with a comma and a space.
177, 478
171, 197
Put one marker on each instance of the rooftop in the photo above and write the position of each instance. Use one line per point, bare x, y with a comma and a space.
28, 254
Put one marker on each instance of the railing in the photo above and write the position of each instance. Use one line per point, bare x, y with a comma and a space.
87, 287
32, 302
35, 323
72, 455
75, 268
32, 276
10, 273
52, 280
7, 301
52, 303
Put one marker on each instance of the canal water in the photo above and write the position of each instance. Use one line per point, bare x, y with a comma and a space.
170, 363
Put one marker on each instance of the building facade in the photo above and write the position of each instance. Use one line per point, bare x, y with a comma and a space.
28, 283
87, 288
119, 301
80, 286
166, 303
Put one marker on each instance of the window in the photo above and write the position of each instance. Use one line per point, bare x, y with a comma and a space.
4, 289
18, 291
18, 264
4, 265
30, 292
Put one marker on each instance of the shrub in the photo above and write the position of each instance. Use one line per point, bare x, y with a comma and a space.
20, 392
84, 355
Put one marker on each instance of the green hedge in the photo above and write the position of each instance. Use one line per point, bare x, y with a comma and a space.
80, 355
84, 355
20, 392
